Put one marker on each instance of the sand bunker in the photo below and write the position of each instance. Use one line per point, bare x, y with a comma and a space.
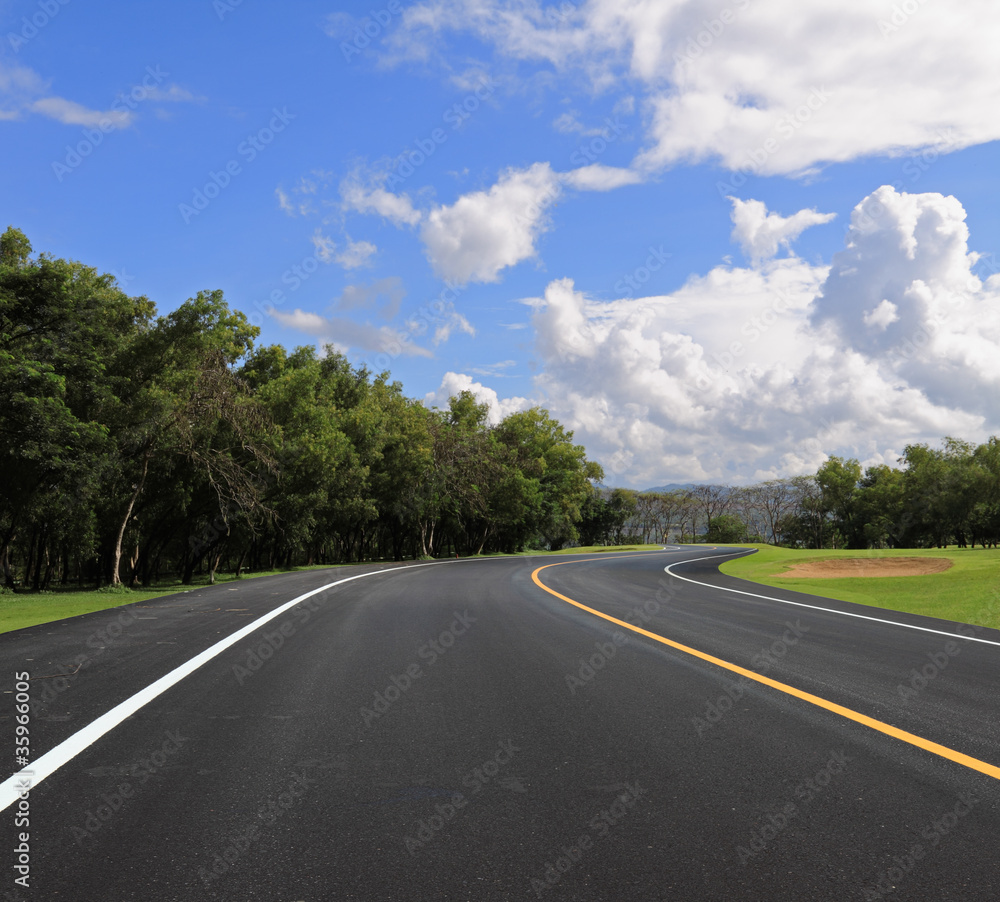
867, 567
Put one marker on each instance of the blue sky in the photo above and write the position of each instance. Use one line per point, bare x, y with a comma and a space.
718, 240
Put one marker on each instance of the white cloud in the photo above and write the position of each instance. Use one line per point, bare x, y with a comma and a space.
494, 369
485, 232
882, 316
22, 90
324, 246
445, 319
172, 94
569, 124
760, 233
598, 177
383, 296
779, 87
454, 383
355, 255
752, 373
397, 208
346, 334
450, 323
70, 113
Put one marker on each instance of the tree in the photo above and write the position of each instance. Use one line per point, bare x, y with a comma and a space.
726, 529
544, 451
62, 326
838, 481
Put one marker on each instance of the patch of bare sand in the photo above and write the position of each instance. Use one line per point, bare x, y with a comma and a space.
867, 567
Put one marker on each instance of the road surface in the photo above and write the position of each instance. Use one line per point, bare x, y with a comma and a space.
582, 728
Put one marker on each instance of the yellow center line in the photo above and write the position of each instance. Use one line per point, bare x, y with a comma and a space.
983, 767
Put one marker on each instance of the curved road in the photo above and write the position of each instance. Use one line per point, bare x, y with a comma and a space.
586, 728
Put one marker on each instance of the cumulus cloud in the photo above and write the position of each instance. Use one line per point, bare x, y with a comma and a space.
485, 232
752, 373
760, 233
778, 87
454, 383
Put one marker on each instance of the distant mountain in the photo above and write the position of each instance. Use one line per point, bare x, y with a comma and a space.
672, 487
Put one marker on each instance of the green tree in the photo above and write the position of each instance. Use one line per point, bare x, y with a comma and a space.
838, 481
544, 451
726, 529
62, 326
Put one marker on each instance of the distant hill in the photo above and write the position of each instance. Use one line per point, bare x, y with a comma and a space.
672, 487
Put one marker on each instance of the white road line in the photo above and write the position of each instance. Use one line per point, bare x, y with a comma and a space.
51, 761
813, 607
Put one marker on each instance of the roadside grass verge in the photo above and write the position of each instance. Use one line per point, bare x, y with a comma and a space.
31, 608
969, 592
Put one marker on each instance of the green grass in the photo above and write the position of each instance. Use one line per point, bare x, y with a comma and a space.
31, 608
967, 593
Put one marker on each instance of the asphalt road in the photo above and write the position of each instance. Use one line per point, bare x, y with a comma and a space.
454, 731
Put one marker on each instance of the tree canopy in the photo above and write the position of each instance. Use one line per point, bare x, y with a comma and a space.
134, 444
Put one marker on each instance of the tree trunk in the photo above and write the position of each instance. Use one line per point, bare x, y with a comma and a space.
117, 556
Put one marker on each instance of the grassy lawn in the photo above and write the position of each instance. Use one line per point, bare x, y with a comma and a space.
969, 592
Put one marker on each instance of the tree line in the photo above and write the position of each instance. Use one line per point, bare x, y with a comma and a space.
936, 497
133, 446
